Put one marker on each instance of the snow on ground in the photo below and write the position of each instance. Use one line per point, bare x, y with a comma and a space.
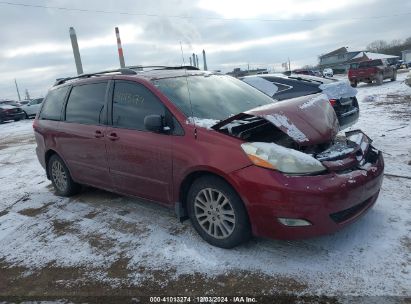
96, 229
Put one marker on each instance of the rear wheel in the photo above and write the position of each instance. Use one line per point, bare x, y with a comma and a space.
61, 178
354, 83
217, 212
27, 117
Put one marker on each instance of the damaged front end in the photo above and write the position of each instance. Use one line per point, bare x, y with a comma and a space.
299, 138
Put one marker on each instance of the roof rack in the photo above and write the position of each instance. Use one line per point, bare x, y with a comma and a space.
130, 70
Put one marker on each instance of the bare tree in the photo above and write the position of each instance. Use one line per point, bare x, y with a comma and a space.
377, 46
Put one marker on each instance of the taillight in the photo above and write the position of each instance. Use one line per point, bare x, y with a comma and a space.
333, 102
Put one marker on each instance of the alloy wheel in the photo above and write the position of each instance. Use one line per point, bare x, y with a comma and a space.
59, 176
214, 213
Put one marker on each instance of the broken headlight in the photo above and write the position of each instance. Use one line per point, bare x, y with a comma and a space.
273, 156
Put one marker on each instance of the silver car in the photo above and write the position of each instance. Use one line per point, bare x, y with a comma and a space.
32, 107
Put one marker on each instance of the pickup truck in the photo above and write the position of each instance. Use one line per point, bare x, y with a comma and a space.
371, 70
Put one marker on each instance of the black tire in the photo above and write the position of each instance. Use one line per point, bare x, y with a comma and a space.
354, 83
17, 119
394, 76
241, 231
27, 117
66, 188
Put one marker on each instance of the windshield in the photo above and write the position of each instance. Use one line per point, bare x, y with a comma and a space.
212, 96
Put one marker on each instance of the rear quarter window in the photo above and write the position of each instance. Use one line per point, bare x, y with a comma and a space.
53, 104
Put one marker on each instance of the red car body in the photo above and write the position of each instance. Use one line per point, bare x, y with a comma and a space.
161, 168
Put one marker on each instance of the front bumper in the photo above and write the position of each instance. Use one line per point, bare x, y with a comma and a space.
329, 201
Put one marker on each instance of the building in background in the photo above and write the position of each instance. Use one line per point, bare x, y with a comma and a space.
338, 60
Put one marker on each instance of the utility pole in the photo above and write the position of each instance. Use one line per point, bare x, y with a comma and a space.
120, 49
191, 61
197, 65
76, 51
289, 65
27, 95
204, 61
194, 59
17, 88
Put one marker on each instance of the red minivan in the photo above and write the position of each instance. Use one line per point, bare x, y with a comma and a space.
214, 148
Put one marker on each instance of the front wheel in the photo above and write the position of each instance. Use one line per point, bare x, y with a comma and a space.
61, 178
354, 83
217, 212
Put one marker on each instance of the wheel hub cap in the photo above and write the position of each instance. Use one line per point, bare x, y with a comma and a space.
214, 213
59, 175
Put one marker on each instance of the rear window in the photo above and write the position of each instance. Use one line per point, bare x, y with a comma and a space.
86, 104
53, 104
372, 63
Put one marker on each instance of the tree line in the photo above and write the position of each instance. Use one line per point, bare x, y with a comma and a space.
389, 48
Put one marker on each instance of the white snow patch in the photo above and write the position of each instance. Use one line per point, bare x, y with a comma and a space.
202, 122
280, 120
338, 89
311, 102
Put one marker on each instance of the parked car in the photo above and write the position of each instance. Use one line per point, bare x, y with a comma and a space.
281, 87
10, 112
32, 107
328, 72
10, 103
226, 156
371, 70
304, 72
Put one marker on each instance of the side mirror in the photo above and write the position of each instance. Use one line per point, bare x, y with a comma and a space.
154, 123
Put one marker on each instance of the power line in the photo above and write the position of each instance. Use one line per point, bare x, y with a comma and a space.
195, 17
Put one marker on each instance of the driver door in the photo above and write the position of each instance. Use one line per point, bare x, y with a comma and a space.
140, 161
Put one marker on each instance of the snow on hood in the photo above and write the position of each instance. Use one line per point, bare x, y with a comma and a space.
281, 121
308, 120
339, 89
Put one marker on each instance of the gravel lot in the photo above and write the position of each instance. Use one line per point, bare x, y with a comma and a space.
99, 243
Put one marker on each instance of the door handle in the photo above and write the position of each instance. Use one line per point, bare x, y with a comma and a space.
98, 134
113, 136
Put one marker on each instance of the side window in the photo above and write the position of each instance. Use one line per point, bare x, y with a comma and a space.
86, 104
53, 104
131, 103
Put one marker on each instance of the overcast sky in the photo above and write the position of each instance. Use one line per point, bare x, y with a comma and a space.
35, 44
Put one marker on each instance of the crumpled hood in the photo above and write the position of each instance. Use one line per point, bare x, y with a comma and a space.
308, 120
